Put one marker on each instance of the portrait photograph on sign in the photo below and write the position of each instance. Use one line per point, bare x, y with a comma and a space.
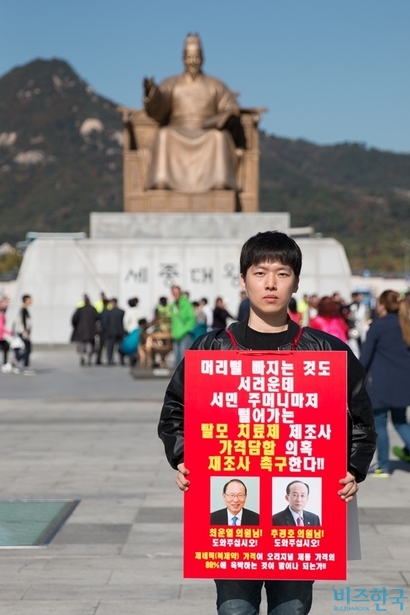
296, 501
235, 501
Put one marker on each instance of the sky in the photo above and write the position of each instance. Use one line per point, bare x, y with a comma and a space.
328, 71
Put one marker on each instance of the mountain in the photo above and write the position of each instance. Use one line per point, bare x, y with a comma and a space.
61, 158
60, 151
360, 196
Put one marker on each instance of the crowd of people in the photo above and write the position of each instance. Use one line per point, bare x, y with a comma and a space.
346, 320
104, 330
176, 323
379, 335
103, 325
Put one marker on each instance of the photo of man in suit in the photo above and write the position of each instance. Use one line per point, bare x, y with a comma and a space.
234, 495
297, 495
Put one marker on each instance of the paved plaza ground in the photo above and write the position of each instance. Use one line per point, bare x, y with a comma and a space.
90, 434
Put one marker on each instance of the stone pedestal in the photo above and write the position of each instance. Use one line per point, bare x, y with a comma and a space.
168, 200
177, 227
58, 272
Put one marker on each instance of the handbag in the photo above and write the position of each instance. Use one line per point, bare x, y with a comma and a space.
130, 342
17, 343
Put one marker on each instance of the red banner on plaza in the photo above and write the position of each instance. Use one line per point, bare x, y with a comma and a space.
273, 425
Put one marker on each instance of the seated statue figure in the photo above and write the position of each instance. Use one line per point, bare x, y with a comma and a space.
194, 150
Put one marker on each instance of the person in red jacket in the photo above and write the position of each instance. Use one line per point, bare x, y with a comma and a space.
329, 320
293, 311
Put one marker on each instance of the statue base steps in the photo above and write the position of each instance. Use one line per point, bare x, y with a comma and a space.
157, 201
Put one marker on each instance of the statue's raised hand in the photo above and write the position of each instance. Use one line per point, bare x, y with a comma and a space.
148, 84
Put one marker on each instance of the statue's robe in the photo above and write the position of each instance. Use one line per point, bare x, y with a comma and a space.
192, 152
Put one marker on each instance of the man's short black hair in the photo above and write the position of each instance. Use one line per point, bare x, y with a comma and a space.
293, 483
25, 297
269, 247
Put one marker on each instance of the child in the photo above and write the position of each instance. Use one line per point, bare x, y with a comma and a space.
270, 265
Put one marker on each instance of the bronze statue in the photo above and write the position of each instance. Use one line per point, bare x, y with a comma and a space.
194, 150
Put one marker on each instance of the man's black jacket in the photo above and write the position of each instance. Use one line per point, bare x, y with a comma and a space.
361, 434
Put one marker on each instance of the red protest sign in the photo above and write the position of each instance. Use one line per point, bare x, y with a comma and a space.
266, 444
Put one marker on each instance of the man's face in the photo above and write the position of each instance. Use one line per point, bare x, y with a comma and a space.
176, 292
192, 60
234, 497
269, 287
298, 497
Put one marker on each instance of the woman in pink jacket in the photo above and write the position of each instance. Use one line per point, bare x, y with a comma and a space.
329, 320
3, 332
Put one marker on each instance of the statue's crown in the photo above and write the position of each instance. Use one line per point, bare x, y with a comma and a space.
193, 39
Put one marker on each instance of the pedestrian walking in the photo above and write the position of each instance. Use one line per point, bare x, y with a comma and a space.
221, 314
358, 320
182, 323
244, 307
386, 359
23, 328
293, 311
100, 330
208, 311
114, 331
84, 322
329, 320
4, 342
132, 315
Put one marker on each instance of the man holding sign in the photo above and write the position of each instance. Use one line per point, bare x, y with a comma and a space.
270, 265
